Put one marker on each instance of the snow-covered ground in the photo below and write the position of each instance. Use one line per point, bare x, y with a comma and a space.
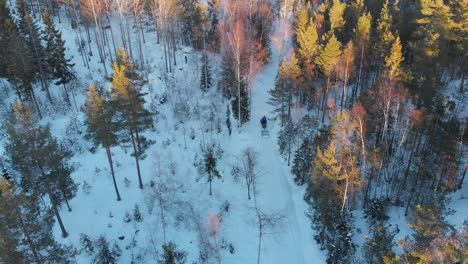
189, 209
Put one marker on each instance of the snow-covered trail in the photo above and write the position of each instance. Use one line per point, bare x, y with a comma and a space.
292, 241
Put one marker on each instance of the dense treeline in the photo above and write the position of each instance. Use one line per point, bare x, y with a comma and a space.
374, 77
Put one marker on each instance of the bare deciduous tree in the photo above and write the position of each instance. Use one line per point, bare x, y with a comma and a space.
246, 168
267, 224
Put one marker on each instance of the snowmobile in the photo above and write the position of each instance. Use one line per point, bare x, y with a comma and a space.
263, 122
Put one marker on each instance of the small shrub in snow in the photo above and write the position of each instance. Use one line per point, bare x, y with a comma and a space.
87, 244
219, 152
96, 170
231, 249
376, 210
127, 182
106, 253
73, 135
127, 218
111, 215
172, 255
86, 187
192, 133
137, 214
172, 167
225, 207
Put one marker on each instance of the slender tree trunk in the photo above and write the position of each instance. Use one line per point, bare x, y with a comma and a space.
260, 234
210, 186
26, 233
343, 95
460, 185
59, 219
137, 157
161, 213
325, 97
345, 195
66, 202
67, 97
238, 89
128, 37
174, 45
111, 165
36, 104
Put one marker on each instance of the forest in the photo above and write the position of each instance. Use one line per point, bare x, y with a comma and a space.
233, 131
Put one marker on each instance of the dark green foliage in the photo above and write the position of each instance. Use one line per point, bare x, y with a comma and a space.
30, 143
205, 74
212, 36
87, 244
341, 246
59, 66
210, 161
302, 160
44, 164
287, 139
379, 245
376, 210
105, 253
26, 234
172, 255
137, 214
279, 99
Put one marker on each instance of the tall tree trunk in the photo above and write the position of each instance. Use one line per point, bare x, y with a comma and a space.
325, 98
137, 157
210, 185
36, 104
66, 201
260, 234
59, 219
26, 233
111, 165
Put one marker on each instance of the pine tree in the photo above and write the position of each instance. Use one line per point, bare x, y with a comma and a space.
26, 233
128, 101
30, 143
211, 169
362, 37
205, 74
307, 40
59, 65
137, 214
303, 157
172, 255
4, 36
384, 32
393, 61
336, 13
213, 37
101, 126
279, 96
326, 164
327, 59
287, 139
431, 47
19, 64
31, 36
435, 26
379, 247
105, 254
